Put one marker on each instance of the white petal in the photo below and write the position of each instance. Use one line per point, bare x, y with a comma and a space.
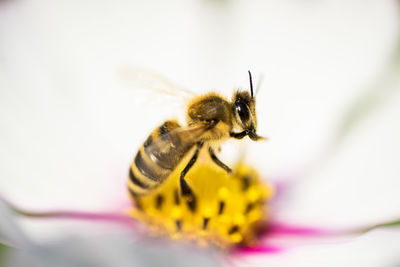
110, 247
378, 248
10, 233
358, 184
110, 250
69, 128
69, 131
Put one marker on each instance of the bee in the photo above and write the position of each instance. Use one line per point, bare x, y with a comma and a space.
211, 119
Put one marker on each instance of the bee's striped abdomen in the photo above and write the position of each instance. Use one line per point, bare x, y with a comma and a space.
157, 158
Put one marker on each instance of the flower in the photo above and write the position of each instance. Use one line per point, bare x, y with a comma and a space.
69, 131
117, 249
229, 208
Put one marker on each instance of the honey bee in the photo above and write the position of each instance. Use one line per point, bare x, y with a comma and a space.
211, 119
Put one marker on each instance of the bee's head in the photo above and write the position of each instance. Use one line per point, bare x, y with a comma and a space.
244, 112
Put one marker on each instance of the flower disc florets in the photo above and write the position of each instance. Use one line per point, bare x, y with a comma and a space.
230, 208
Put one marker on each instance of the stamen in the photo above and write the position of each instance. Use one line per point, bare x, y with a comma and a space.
249, 207
233, 229
178, 225
138, 205
246, 182
205, 223
176, 197
191, 202
221, 207
159, 201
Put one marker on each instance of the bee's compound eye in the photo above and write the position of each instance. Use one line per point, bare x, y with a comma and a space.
243, 111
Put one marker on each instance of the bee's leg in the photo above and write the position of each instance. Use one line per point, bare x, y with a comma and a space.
238, 135
217, 161
185, 188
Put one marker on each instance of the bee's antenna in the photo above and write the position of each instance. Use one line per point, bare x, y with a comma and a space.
251, 84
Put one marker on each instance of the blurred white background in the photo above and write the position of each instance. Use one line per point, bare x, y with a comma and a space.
69, 128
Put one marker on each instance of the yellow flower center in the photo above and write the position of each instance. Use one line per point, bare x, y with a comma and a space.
230, 208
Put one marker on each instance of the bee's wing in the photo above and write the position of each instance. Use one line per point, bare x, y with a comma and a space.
174, 142
146, 80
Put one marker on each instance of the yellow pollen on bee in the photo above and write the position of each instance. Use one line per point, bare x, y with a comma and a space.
229, 208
